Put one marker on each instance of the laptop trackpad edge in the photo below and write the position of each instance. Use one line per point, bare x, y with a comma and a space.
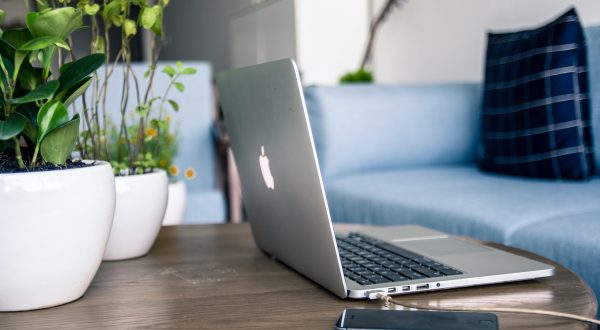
442, 247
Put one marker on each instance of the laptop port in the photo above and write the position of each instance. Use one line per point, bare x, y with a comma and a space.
422, 286
406, 288
391, 290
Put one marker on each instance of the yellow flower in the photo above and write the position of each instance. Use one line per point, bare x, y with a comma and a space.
151, 132
162, 163
190, 173
168, 117
173, 170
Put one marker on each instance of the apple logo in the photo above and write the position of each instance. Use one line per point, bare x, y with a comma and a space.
263, 160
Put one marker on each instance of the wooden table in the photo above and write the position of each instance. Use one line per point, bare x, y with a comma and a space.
213, 276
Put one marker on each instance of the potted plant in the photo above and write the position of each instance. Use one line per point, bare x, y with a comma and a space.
168, 149
56, 212
134, 144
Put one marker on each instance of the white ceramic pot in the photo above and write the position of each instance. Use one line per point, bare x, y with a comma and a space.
54, 226
139, 211
176, 204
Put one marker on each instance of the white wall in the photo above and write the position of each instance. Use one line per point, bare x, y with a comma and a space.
330, 38
262, 31
440, 40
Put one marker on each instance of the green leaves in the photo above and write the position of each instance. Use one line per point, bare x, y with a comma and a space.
129, 28
75, 91
174, 105
59, 143
149, 16
52, 115
91, 9
11, 127
169, 70
189, 71
43, 42
77, 71
180, 87
45, 91
16, 37
112, 13
36, 116
58, 23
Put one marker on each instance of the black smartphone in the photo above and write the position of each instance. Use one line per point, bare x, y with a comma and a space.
382, 319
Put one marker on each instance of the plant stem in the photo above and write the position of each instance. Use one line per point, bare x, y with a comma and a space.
8, 85
19, 155
35, 153
103, 95
387, 8
161, 107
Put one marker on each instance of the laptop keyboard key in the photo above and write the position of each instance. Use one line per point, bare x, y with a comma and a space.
449, 271
425, 271
378, 280
395, 277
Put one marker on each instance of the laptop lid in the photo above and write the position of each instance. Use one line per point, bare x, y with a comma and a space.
271, 139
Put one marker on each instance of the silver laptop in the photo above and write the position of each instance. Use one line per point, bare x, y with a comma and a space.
270, 135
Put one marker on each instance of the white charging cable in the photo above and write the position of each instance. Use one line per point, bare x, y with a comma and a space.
387, 300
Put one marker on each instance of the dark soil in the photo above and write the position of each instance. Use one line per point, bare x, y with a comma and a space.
8, 164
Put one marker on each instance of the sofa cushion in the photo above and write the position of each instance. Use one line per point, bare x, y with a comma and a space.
361, 128
592, 36
570, 240
536, 116
457, 199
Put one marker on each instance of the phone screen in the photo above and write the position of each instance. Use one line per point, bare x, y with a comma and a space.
415, 320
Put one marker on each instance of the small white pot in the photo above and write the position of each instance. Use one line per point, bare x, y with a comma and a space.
54, 227
139, 211
176, 204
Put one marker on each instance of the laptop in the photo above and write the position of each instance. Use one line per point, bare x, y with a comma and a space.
269, 130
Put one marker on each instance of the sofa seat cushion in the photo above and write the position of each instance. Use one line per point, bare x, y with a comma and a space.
570, 240
459, 200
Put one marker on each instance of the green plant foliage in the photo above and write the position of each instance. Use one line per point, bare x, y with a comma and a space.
52, 115
77, 71
32, 113
42, 92
138, 142
58, 144
75, 91
16, 37
59, 23
360, 76
11, 127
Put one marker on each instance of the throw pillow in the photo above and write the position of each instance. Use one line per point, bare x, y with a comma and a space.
536, 112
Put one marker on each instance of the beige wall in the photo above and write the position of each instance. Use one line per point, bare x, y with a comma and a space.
444, 40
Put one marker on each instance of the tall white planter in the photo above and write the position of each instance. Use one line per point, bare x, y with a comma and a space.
176, 204
139, 211
54, 226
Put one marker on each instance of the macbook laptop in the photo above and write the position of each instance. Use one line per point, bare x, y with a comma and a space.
270, 134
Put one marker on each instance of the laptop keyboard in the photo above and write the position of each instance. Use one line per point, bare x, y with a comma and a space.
366, 261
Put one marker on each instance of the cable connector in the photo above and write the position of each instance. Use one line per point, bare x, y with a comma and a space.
376, 294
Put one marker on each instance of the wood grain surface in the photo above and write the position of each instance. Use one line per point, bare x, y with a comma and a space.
214, 277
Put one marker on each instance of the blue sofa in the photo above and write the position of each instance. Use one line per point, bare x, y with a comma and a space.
394, 155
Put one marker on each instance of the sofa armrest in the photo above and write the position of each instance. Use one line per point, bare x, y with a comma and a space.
361, 128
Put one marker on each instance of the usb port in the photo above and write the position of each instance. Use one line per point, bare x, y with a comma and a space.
406, 288
391, 290
422, 286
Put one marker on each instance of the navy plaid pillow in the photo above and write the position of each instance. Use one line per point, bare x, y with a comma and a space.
536, 113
